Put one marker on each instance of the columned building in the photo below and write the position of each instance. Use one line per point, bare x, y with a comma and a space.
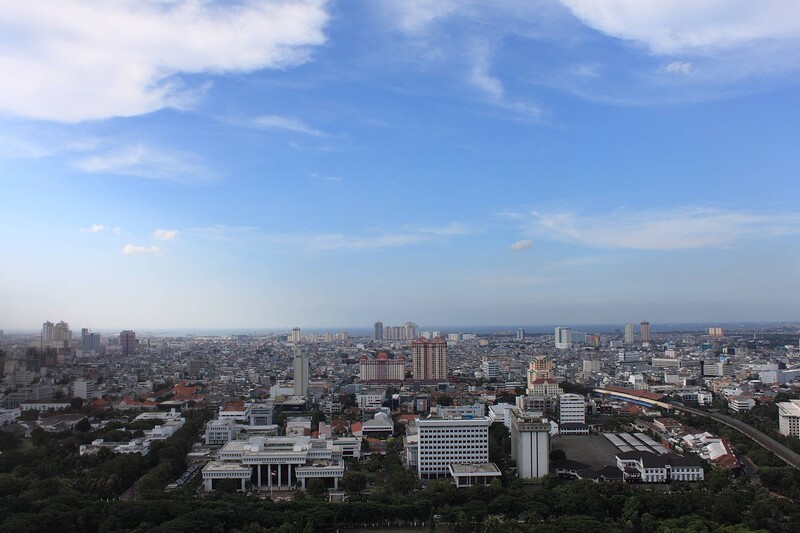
277, 463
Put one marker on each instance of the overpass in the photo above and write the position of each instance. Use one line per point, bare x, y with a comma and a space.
654, 400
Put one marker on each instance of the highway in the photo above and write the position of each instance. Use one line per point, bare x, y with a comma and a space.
782, 452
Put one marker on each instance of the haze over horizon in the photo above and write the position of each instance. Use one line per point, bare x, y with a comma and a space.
322, 162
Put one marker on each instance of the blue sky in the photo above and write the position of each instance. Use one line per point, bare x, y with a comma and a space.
266, 164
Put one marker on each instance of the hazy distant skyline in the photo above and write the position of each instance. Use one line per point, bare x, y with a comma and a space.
260, 164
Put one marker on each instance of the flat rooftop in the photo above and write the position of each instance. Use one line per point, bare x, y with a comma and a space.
596, 451
475, 468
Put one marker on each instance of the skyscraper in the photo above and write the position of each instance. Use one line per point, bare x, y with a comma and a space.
56, 335
430, 359
520, 334
378, 330
295, 337
563, 338
90, 342
300, 372
644, 331
127, 339
629, 333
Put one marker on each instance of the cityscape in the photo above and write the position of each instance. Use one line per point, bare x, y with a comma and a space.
357, 266
406, 412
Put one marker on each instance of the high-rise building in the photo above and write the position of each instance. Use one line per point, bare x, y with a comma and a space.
90, 342
489, 367
378, 330
300, 372
644, 331
382, 369
128, 342
716, 332
56, 335
412, 330
295, 336
430, 359
530, 444
520, 334
629, 333
563, 338
82, 388
540, 367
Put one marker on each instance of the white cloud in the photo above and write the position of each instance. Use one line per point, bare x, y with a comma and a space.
324, 177
414, 16
677, 26
146, 162
521, 245
675, 229
129, 249
677, 67
166, 234
82, 60
95, 228
116, 230
285, 123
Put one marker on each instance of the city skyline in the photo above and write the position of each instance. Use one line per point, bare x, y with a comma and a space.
312, 162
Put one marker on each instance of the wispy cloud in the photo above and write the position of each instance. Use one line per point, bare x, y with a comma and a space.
334, 241
494, 90
95, 228
661, 229
324, 177
521, 245
221, 232
146, 162
124, 58
130, 249
284, 123
677, 67
166, 234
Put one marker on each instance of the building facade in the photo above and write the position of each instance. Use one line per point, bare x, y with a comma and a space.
430, 359
443, 442
563, 338
789, 418
382, 369
530, 444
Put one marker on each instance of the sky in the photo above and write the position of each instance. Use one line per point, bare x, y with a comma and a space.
263, 164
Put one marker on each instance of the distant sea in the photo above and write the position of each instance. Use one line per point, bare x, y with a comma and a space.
480, 330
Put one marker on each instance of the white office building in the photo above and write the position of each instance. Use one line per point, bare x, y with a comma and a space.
563, 338
572, 414
219, 432
789, 418
443, 442
530, 444
490, 368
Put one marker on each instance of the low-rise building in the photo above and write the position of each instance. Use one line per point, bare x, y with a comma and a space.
646, 467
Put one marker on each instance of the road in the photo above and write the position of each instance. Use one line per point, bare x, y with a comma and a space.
782, 452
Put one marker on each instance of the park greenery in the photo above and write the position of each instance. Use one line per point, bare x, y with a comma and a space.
45, 485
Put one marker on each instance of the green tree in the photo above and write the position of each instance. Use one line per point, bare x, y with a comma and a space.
315, 487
